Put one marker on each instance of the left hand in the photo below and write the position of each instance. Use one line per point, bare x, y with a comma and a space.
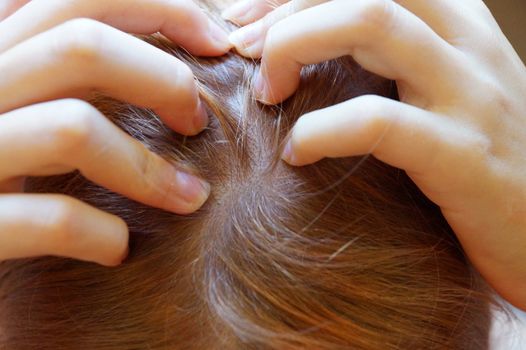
459, 130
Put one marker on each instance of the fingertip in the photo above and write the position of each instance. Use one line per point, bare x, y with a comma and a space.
176, 188
203, 37
262, 91
188, 193
288, 155
186, 123
120, 236
237, 12
220, 39
118, 261
300, 147
200, 120
124, 255
248, 40
276, 90
291, 156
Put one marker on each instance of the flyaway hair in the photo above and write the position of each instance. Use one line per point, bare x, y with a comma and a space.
342, 254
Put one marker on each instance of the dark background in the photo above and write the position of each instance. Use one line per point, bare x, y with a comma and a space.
511, 15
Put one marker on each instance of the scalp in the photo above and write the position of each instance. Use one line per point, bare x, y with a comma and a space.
344, 253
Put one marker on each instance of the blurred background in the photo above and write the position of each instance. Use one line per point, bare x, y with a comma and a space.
511, 15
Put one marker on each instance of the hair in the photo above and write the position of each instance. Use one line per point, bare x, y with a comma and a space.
342, 254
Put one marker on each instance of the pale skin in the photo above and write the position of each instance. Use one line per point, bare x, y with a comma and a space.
53, 53
459, 130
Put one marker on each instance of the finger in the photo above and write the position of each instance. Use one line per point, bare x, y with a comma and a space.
382, 36
249, 40
451, 19
60, 136
36, 225
182, 21
446, 18
247, 11
468, 26
398, 134
8, 7
82, 55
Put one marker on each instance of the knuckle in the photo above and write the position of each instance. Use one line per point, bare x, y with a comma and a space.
73, 127
379, 14
299, 5
490, 98
278, 42
149, 168
146, 164
475, 148
272, 40
78, 41
491, 49
479, 145
377, 125
377, 119
296, 6
497, 97
269, 20
62, 221
276, 14
262, 7
368, 101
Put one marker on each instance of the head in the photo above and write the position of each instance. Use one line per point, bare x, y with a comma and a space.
345, 253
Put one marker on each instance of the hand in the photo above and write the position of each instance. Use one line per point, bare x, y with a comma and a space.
459, 130
7, 7
49, 56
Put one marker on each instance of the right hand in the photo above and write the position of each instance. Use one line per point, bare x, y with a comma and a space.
458, 130
54, 51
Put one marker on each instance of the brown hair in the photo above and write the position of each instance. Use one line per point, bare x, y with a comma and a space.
342, 254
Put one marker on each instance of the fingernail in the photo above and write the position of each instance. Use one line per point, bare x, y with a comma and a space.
247, 39
200, 120
287, 154
190, 194
260, 88
237, 10
220, 36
